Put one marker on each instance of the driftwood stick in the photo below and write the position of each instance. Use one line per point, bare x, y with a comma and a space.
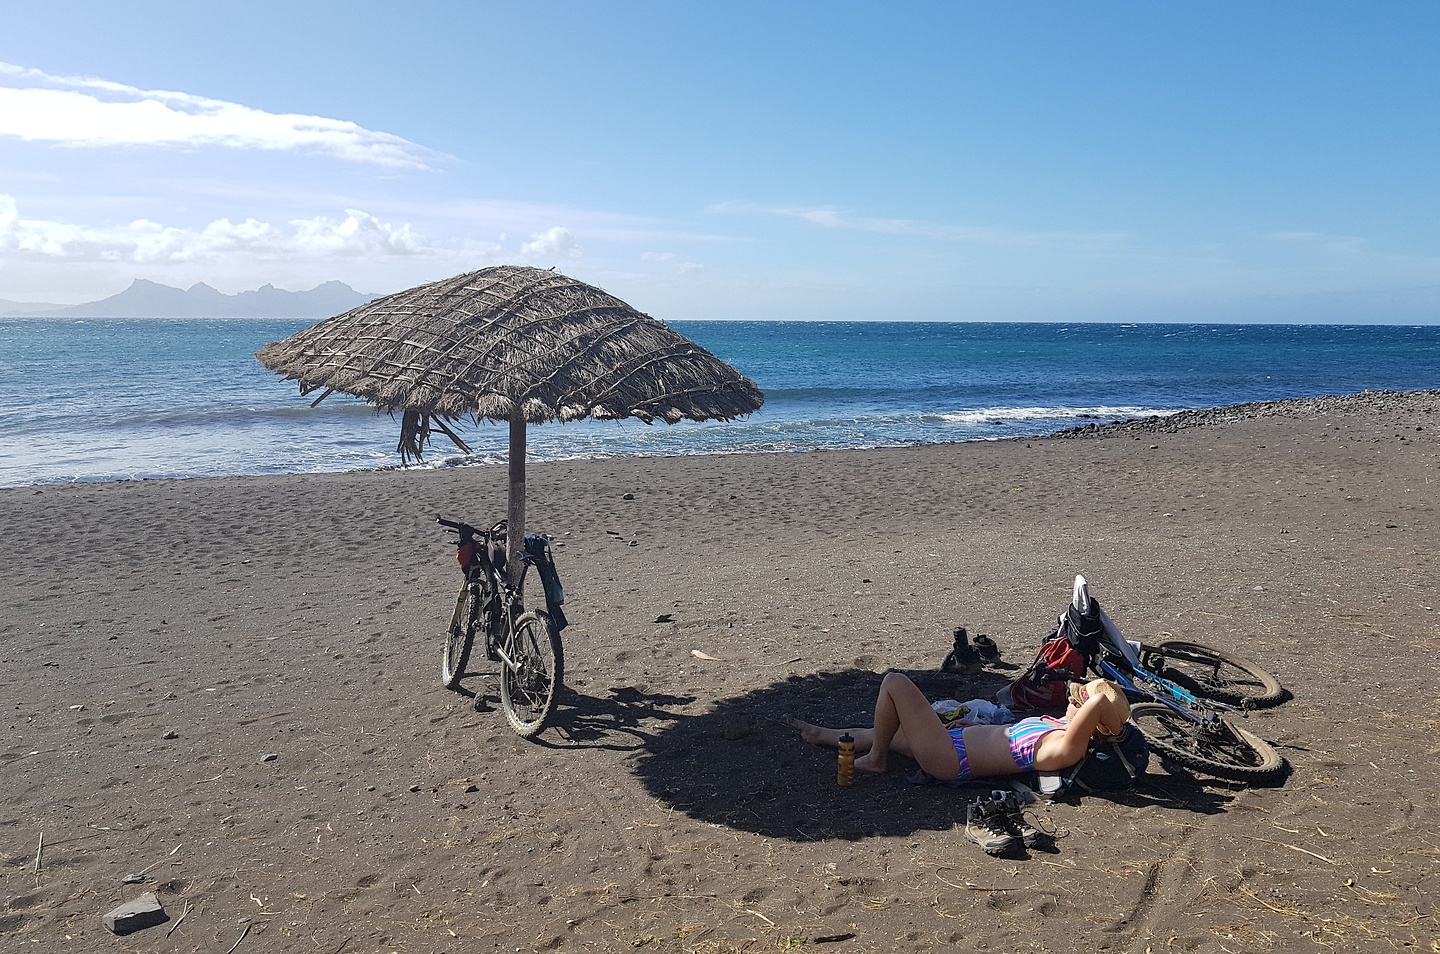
181, 918
238, 940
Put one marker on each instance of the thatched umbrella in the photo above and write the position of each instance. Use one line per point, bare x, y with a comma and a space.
509, 343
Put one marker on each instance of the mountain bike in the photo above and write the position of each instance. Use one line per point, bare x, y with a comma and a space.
526, 643
1181, 693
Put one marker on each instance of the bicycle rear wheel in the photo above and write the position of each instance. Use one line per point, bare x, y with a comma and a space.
531, 673
1219, 675
460, 637
1214, 748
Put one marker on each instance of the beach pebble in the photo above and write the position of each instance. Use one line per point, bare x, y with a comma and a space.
143, 912
414, 788
170, 734
269, 756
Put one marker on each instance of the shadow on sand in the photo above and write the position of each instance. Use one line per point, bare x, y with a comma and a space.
737, 765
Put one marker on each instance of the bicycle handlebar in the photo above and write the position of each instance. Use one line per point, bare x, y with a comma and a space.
498, 530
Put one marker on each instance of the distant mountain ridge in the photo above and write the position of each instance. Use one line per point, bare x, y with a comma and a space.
147, 299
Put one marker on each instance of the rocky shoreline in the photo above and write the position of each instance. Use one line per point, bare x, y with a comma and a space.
1419, 405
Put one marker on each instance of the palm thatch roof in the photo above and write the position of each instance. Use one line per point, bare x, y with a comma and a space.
510, 343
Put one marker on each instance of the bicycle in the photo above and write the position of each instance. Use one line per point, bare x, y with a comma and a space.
1180, 691
526, 643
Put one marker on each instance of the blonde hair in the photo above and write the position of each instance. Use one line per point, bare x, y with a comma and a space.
1114, 709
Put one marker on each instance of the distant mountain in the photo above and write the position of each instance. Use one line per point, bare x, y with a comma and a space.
147, 299
24, 309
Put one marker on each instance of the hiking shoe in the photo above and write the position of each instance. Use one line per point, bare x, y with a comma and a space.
985, 826
1032, 837
986, 648
962, 658
1017, 824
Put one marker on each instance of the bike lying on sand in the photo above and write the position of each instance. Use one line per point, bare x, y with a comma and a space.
1180, 693
526, 643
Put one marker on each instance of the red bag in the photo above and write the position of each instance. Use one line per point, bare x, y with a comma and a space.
1045, 684
1063, 658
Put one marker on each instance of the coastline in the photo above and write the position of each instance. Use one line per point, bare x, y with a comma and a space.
297, 616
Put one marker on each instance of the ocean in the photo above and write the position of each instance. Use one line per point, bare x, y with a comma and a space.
102, 399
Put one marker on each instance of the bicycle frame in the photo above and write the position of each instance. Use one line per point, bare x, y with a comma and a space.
495, 588
1181, 700
1132, 675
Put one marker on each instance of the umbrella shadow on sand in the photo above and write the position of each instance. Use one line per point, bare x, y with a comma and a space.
738, 765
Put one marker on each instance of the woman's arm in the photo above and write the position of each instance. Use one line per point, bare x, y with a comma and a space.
1065, 747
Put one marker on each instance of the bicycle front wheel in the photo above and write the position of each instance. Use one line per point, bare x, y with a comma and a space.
460, 637
1219, 675
531, 673
1215, 748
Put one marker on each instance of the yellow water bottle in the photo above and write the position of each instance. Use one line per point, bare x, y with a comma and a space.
845, 772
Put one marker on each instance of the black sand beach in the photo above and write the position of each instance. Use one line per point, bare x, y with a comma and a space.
160, 641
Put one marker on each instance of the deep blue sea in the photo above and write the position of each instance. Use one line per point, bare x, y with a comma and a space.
113, 399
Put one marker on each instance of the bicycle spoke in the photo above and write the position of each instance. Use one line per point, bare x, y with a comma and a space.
531, 676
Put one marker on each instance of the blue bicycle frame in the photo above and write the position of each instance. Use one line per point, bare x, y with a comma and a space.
1166, 692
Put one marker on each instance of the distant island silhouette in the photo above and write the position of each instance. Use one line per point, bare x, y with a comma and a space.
147, 299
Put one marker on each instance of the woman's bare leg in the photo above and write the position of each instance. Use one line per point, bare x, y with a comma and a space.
864, 736
821, 735
905, 723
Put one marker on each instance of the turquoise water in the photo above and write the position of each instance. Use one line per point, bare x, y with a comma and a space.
109, 399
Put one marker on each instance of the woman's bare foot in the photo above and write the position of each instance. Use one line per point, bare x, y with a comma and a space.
814, 734
869, 763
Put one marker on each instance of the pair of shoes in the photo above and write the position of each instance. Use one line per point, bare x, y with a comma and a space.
987, 650
1017, 824
962, 658
986, 826
997, 823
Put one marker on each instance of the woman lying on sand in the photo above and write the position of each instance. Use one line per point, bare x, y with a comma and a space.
905, 723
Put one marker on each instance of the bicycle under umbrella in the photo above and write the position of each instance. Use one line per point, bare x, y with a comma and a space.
515, 344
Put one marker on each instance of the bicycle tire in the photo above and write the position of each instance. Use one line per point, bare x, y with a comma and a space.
460, 636
1231, 678
531, 675
1231, 753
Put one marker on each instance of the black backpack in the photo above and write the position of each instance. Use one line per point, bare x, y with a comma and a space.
1111, 764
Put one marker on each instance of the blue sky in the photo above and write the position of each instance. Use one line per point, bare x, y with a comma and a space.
931, 161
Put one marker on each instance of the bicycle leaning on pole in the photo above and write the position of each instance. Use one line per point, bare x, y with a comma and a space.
526, 643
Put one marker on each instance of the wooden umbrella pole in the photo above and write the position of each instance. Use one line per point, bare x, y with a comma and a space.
516, 542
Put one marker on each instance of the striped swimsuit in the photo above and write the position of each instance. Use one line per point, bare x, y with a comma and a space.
1025, 735
957, 737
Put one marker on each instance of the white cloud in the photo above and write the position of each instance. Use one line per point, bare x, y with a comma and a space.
683, 266
357, 235
833, 217
87, 112
553, 243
